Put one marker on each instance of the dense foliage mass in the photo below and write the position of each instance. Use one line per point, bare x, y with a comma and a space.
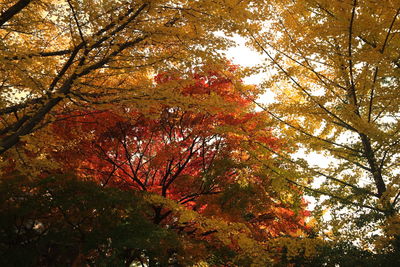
127, 139
336, 80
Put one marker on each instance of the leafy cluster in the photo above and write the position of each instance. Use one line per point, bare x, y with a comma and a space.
127, 139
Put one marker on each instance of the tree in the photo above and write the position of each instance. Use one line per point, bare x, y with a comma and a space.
196, 159
62, 220
336, 82
100, 52
191, 142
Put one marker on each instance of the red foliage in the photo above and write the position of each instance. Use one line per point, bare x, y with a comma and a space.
191, 157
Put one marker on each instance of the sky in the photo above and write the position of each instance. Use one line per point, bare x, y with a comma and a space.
246, 57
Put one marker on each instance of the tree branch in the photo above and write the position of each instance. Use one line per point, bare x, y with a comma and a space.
13, 10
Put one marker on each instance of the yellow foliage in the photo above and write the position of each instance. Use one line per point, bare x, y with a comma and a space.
336, 78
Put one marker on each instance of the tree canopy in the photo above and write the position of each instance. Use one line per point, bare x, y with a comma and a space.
336, 85
128, 139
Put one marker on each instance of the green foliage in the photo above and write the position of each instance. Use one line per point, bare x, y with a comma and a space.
56, 221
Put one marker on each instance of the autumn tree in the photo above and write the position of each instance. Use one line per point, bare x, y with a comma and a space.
190, 142
199, 160
336, 84
100, 52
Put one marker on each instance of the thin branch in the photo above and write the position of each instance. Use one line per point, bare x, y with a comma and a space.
355, 188
348, 126
382, 50
319, 192
341, 199
76, 21
41, 54
350, 55
303, 131
371, 97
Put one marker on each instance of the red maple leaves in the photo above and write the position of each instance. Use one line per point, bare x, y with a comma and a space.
196, 158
